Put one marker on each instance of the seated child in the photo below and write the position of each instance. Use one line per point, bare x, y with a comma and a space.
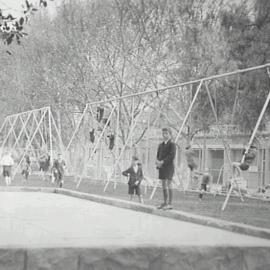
190, 155
135, 174
248, 158
190, 158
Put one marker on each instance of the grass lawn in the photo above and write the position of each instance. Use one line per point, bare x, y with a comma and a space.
251, 212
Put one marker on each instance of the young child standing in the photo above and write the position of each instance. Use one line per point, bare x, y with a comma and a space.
135, 174
7, 162
205, 180
26, 165
58, 170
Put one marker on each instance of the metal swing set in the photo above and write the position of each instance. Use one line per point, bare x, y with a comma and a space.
148, 99
130, 121
30, 133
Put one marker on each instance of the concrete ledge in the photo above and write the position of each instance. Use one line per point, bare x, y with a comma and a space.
141, 258
179, 215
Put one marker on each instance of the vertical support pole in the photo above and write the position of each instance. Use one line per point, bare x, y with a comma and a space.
58, 134
3, 125
189, 110
226, 152
204, 151
50, 133
132, 120
77, 128
258, 121
116, 153
190, 116
148, 142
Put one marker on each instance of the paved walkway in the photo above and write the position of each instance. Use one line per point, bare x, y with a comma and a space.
33, 219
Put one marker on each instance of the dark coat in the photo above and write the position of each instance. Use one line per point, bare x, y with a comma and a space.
133, 176
59, 166
166, 153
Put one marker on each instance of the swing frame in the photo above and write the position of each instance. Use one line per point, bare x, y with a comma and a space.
32, 125
200, 83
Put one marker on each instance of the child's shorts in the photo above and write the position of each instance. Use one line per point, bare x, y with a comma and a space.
192, 166
6, 171
203, 187
132, 189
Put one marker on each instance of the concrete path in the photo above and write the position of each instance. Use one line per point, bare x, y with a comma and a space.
36, 219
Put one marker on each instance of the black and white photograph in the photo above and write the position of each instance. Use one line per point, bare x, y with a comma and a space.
134, 134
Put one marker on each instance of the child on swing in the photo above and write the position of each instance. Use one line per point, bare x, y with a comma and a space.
135, 175
190, 158
248, 159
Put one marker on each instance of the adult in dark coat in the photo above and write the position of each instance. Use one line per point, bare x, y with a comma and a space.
165, 164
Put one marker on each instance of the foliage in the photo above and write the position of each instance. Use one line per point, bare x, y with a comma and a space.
12, 28
96, 50
246, 29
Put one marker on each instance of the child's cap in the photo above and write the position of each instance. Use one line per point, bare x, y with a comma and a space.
168, 130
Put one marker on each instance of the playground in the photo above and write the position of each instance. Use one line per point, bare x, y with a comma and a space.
134, 135
86, 165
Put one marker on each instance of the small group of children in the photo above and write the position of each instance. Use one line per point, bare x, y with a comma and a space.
135, 175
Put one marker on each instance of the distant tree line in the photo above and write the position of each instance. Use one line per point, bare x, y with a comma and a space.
92, 50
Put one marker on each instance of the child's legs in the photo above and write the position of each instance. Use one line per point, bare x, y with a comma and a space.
61, 180
6, 175
165, 190
138, 193
43, 174
170, 189
140, 198
131, 192
61, 177
202, 190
